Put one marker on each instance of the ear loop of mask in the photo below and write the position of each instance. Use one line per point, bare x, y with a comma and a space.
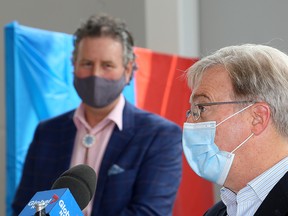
252, 134
234, 114
231, 117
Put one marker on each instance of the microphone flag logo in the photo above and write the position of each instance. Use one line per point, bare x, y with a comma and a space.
54, 198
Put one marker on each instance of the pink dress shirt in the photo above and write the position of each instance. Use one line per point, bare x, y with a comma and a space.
93, 155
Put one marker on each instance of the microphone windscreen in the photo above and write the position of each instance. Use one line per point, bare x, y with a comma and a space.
81, 181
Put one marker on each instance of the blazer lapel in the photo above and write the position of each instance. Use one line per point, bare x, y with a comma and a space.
117, 143
276, 202
67, 140
219, 209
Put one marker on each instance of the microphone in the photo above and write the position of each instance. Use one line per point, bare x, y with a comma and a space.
69, 194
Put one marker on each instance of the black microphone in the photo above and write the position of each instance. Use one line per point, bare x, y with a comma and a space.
81, 181
70, 194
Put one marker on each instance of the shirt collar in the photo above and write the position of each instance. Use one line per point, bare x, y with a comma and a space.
261, 185
116, 115
265, 182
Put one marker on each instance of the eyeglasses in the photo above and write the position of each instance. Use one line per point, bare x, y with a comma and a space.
197, 109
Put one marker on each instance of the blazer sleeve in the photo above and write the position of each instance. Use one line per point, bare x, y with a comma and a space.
27, 187
47, 157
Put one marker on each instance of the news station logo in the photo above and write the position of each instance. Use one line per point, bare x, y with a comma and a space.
33, 203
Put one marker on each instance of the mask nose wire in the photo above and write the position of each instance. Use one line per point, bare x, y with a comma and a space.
234, 114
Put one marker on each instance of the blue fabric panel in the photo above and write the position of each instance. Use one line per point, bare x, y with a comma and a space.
38, 85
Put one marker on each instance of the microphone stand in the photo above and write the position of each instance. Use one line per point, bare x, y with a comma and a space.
40, 209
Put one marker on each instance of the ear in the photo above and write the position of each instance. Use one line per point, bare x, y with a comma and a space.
128, 71
261, 117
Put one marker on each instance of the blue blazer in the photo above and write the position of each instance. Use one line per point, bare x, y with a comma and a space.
148, 149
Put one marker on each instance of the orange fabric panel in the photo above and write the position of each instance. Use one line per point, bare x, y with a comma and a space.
161, 88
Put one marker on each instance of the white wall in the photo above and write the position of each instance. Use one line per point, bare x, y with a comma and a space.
226, 22
173, 26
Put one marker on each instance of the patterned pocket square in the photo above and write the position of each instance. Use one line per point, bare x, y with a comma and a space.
115, 169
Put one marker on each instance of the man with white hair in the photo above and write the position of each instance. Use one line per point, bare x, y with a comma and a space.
237, 128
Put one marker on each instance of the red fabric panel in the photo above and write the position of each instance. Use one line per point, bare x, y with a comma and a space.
161, 88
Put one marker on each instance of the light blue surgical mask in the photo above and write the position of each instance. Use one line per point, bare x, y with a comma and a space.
203, 155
